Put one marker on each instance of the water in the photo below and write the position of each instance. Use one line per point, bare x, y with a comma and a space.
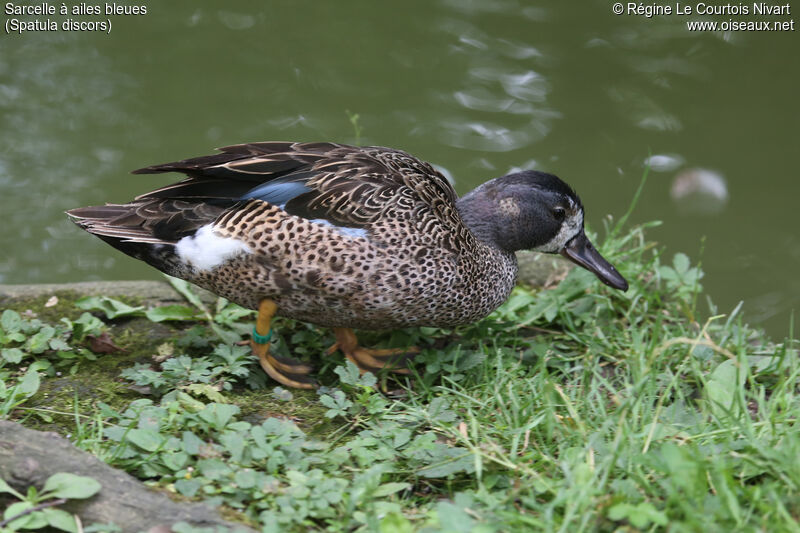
476, 87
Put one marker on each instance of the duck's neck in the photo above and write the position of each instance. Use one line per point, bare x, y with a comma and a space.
480, 216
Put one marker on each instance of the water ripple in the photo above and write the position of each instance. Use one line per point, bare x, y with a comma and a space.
488, 136
482, 99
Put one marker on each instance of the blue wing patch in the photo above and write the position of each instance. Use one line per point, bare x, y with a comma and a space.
279, 191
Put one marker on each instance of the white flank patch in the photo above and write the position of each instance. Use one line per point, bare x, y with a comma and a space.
206, 250
347, 232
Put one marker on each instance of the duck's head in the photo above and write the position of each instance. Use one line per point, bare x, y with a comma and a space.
537, 211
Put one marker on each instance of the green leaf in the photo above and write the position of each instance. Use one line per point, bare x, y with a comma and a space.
351, 375
5, 487
229, 337
42, 365
337, 403
17, 336
10, 321
29, 384
620, 511
681, 263
12, 355
29, 521
146, 439
16, 508
112, 308
722, 386
188, 487
60, 519
39, 342
245, 478
232, 354
229, 313
59, 344
390, 488
185, 368
453, 517
189, 403
213, 469
640, 515
395, 523
647, 513
142, 374
446, 461
204, 389
367, 379
175, 460
439, 412
66, 485
192, 443
218, 414
348, 374
234, 445
184, 288
86, 324
172, 312
400, 437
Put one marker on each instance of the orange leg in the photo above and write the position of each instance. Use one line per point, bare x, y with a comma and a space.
289, 372
371, 360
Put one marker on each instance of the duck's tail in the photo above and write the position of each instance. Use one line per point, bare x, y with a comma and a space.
132, 232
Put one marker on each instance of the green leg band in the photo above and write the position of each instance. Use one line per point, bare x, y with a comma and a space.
261, 339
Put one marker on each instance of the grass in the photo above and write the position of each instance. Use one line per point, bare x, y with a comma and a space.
574, 409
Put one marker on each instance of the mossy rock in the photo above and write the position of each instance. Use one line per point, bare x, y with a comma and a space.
60, 397
541, 270
28, 458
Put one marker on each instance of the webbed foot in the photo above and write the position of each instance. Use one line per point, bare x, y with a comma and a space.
372, 359
284, 370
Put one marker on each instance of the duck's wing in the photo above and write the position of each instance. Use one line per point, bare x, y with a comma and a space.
345, 185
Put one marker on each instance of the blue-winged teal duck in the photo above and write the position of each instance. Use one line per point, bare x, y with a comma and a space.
344, 237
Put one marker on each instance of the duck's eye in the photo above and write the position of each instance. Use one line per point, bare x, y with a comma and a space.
560, 213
